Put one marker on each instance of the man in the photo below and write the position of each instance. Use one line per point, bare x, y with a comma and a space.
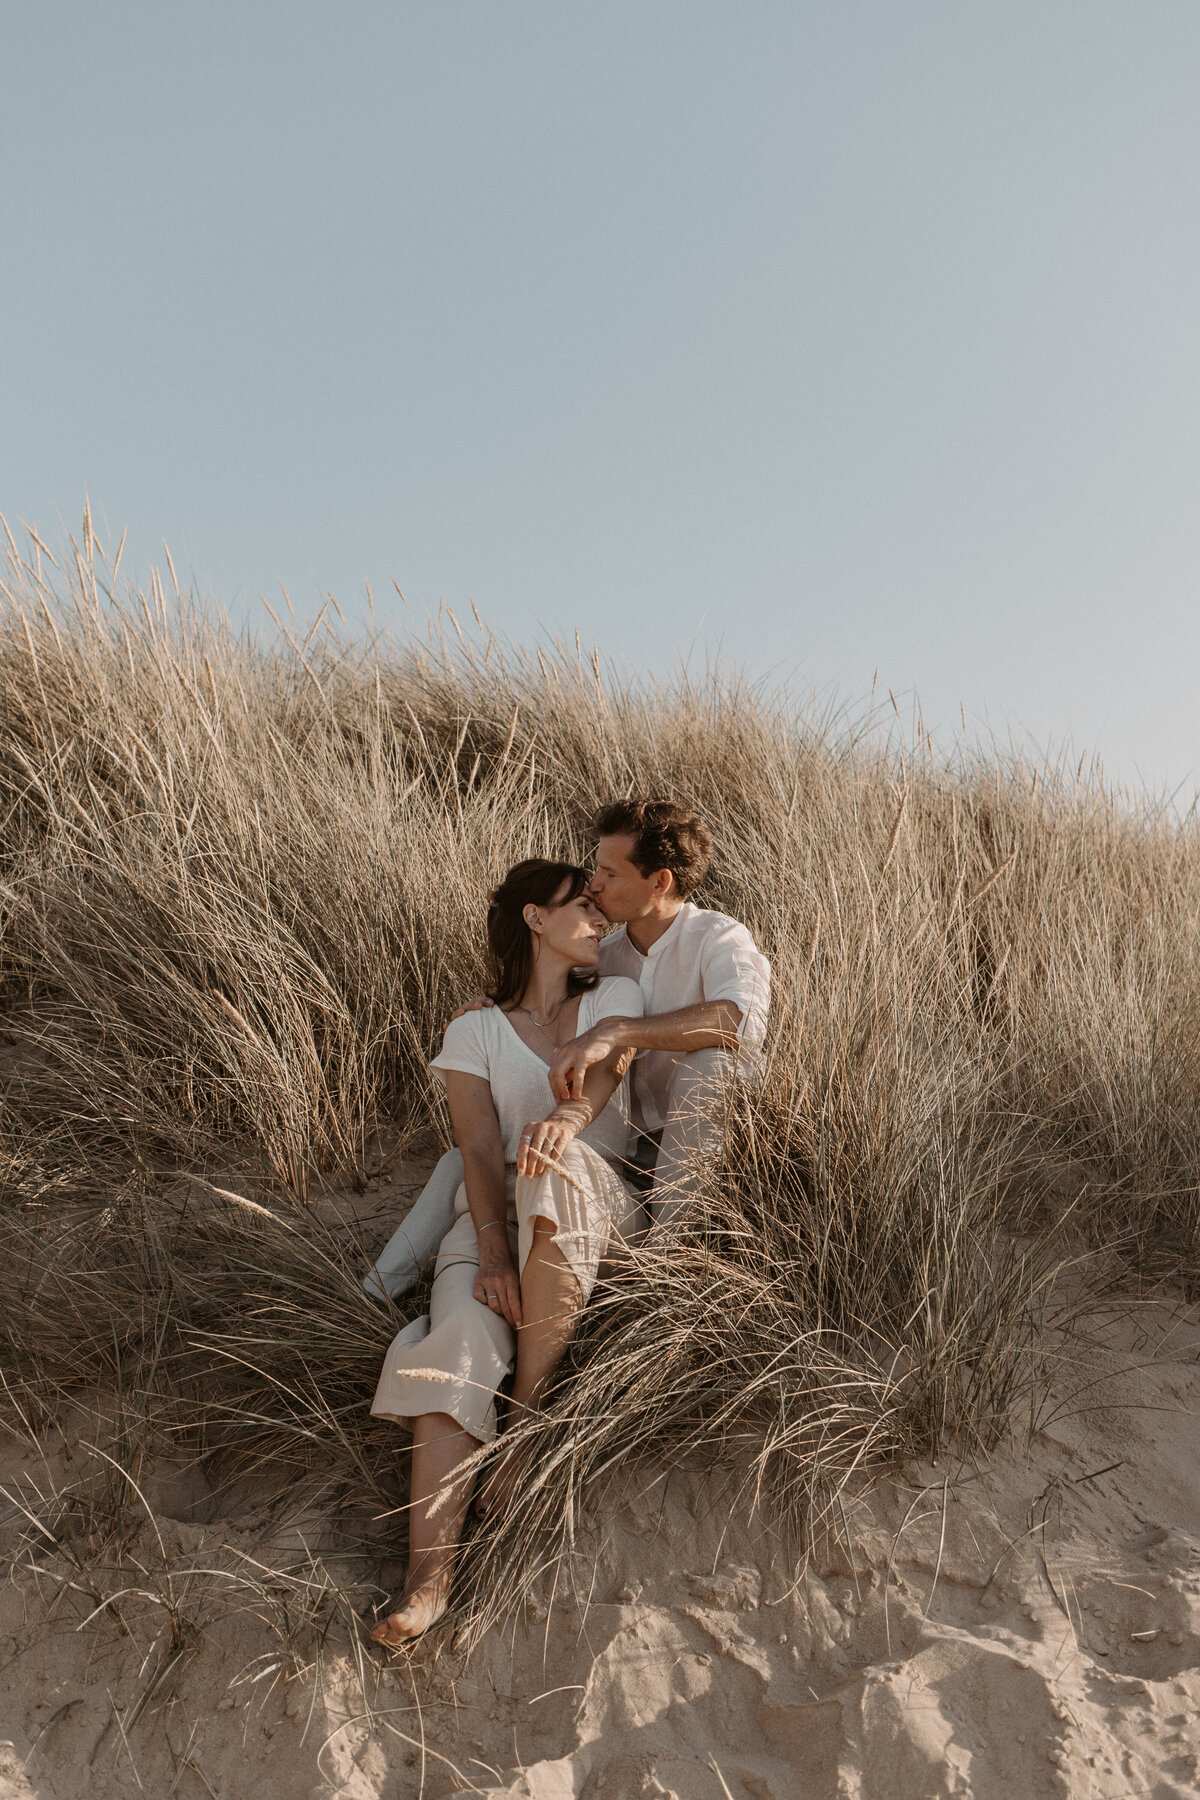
705, 982
706, 987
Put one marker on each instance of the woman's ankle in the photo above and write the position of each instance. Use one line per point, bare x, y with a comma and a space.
431, 1574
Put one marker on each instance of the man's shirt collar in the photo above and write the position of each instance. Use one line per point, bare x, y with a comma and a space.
670, 933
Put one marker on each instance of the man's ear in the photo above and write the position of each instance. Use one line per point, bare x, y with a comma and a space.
664, 881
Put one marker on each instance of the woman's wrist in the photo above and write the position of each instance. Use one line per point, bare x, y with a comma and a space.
576, 1114
495, 1251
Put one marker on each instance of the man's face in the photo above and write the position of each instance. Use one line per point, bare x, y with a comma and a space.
620, 889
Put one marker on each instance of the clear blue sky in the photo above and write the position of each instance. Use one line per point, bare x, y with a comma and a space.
828, 336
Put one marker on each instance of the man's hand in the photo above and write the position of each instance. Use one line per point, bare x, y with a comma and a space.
497, 1284
476, 1003
573, 1061
548, 1138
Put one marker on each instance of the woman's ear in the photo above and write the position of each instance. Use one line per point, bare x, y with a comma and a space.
532, 917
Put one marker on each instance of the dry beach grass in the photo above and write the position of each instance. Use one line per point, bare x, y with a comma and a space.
241, 886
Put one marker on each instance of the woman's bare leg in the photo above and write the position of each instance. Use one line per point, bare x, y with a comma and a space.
439, 1445
550, 1306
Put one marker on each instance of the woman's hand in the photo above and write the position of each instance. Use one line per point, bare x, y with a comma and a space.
497, 1284
548, 1138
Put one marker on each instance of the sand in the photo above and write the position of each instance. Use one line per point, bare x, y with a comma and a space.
1029, 1626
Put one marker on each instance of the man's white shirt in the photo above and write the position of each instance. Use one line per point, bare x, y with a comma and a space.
702, 956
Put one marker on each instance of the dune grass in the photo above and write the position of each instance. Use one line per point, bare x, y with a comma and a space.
242, 887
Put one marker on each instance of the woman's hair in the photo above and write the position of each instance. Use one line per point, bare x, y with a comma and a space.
510, 941
665, 835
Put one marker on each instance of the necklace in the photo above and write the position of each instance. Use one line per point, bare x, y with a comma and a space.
543, 1027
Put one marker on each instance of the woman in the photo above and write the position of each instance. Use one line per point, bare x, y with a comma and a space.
536, 1211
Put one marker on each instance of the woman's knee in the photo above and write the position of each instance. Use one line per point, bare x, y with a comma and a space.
545, 1239
557, 1192
570, 1158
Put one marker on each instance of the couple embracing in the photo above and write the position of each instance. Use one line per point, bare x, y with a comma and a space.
557, 1143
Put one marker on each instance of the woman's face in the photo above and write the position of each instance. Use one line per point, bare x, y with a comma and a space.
572, 928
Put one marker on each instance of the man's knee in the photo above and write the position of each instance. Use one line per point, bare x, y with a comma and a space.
447, 1168
419, 1233
700, 1083
701, 1072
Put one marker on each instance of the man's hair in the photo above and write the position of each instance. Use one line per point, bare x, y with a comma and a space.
665, 836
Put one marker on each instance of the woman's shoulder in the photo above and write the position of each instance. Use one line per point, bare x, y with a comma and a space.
467, 1042
615, 996
469, 1027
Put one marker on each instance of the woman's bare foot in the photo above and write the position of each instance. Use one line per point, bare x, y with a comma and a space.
415, 1614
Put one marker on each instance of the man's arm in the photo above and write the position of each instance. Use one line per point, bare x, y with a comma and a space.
476, 1003
710, 1024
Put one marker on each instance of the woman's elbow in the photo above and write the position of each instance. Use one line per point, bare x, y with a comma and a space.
482, 1157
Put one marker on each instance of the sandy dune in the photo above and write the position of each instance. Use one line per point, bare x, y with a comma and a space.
1030, 1627
695, 1669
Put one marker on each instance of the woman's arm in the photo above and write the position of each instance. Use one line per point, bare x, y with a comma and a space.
550, 1136
477, 1133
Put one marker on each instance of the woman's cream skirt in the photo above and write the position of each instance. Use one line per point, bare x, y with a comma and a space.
454, 1358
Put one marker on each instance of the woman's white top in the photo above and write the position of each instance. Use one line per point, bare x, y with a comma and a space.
486, 1043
